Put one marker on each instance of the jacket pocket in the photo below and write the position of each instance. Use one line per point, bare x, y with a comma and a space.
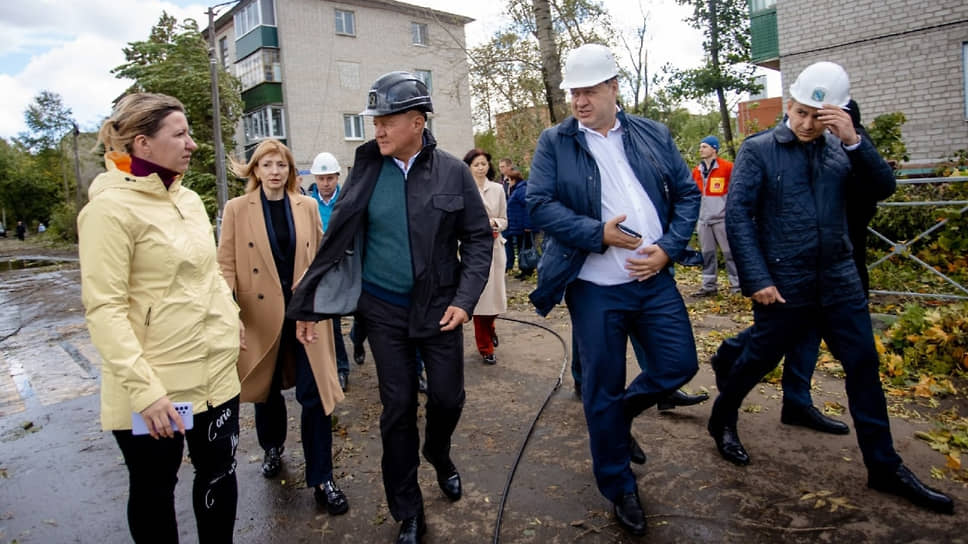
449, 203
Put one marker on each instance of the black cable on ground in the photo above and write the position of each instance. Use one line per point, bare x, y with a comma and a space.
534, 422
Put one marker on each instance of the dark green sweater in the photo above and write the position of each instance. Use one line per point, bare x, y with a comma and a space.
387, 262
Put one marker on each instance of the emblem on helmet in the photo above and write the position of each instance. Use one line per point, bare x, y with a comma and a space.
818, 95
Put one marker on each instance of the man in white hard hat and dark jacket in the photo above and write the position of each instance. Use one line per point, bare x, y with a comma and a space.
426, 253
787, 226
618, 204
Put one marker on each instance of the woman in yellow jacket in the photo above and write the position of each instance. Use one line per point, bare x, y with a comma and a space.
269, 237
162, 319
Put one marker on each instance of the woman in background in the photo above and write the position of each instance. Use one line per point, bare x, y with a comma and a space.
163, 320
494, 299
269, 237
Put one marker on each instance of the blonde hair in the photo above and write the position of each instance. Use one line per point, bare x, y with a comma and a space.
247, 170
138, 113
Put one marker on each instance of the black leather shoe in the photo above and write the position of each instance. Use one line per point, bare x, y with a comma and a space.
447, 476
494, 339
811, 418
903, 483
636, 455
728, 444
490, 359
331, 497
359, 354
680, 398
705, 293
272, 462
628, 512
412, 530
344, 379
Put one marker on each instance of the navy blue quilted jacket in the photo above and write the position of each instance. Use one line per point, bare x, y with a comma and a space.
786, 220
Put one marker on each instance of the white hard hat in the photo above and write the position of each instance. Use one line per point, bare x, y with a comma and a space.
822, 83
324, 163
588, 66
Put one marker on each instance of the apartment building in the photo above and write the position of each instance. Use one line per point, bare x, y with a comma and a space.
306, 67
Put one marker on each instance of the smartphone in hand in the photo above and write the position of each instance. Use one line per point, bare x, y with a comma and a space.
628, 231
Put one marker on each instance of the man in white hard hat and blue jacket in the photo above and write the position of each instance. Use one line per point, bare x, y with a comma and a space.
426, 253
787, 226
618, 204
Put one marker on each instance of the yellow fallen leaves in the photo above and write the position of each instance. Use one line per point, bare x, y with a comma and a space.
824, 499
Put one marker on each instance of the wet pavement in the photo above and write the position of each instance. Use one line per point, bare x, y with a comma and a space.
63, 480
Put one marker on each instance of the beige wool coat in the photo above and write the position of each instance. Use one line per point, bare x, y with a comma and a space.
494, 299
245, 257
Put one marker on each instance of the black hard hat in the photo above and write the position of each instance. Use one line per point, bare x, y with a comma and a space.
397, 92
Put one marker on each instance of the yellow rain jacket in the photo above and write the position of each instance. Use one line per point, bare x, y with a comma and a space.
157, 307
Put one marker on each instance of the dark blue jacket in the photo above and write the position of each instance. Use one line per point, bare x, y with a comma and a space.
786, 219
565, 198
518, 220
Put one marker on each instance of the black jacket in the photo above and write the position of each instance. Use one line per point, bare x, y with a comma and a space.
786, 219
444, 208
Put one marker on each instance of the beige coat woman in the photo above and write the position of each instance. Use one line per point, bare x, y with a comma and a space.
245, 257
494, 299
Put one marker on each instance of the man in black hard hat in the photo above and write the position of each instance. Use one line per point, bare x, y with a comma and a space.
419, 210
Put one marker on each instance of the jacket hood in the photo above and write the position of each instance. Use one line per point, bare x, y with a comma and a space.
119, 176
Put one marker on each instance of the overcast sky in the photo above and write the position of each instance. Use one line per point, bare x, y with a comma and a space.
70, 46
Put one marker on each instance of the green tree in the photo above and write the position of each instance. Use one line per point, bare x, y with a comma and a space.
27, 192
47, 119
174, 60
726, 40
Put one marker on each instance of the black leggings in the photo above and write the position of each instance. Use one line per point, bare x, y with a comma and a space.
153, 471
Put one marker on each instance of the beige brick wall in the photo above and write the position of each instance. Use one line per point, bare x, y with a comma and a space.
901, 56
316, 97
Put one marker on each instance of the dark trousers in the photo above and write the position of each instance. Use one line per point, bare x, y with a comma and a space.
270, 416
846, 327
637, 348
153, 472
799, 363
603, 318
395, 355
342, 361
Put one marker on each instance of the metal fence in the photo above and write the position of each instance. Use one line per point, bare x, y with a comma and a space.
903, 249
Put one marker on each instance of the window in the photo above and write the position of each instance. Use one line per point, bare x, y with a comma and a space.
255, 13
223, 51
352, 127
259, 67
760, 5
427, 78
418, 34
345, 22
264, 123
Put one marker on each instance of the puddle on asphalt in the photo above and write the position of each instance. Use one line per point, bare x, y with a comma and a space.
27, 263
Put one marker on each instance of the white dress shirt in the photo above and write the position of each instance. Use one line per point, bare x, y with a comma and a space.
622, 194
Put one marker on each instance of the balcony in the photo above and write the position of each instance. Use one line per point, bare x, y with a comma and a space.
764, 40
